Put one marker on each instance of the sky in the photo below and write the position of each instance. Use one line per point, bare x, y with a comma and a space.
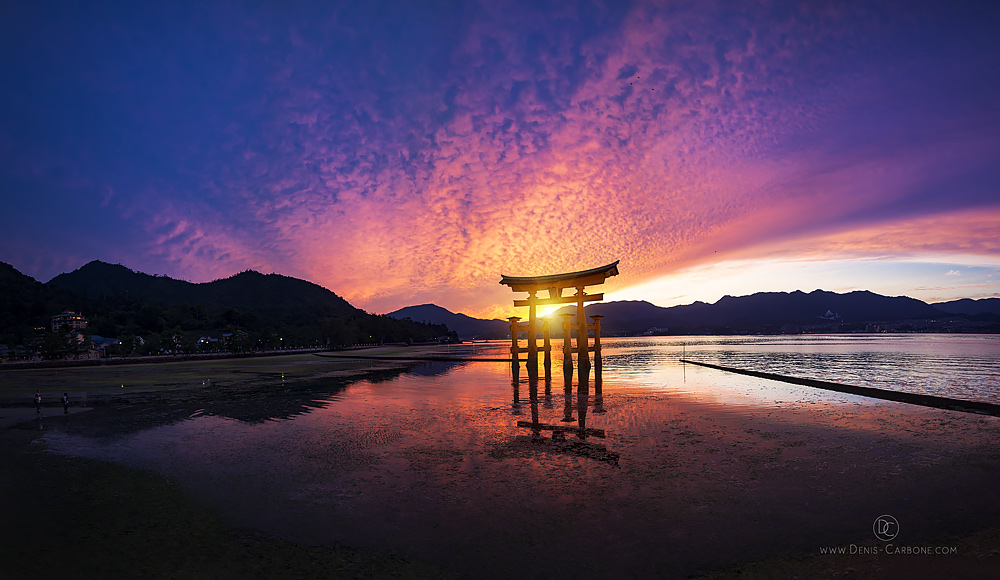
409, 152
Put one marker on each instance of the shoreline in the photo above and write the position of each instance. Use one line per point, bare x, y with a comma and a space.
96, 384
152, 359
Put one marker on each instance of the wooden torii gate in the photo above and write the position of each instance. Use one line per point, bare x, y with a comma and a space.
555, 284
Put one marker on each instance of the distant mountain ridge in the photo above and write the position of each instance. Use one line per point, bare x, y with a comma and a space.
737, 313
970, 306
466, 326
760, 312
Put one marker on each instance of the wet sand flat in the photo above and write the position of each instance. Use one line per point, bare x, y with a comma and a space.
71, 517
89, 385
711, 473
431, 465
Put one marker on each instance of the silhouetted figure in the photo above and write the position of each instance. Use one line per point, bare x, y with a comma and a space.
65, 403
38, 403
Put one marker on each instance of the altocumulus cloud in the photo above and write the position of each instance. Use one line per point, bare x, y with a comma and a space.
399, 152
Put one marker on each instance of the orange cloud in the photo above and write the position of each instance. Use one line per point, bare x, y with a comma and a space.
667, 138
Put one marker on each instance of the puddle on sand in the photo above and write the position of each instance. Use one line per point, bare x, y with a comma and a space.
709, 469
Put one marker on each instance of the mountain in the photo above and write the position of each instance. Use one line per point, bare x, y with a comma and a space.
624, 317
273, 297
768, 312
970, 306
26, 302
248, 289
467, 327
276, 310
98, 278
760, 312
120, 301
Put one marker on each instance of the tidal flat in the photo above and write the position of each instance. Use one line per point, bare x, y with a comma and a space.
425, 466
66, 516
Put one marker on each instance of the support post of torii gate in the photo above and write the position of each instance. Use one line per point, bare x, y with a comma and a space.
554, 284
567, 327
515, 365
582, 346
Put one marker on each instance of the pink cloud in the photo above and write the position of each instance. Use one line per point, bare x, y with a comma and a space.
966, 234
664, 142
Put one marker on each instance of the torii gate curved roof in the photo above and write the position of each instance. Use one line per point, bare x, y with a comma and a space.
567, 280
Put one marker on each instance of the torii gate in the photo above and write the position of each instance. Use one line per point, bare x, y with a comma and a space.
555, 283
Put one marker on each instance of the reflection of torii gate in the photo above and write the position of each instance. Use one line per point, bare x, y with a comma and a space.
554, 284
558, 443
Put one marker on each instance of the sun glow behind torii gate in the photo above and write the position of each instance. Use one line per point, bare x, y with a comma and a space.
555, 284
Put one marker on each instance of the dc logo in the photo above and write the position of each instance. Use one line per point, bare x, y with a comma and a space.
885, 528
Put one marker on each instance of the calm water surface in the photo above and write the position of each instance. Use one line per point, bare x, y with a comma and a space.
946, 365
697, 469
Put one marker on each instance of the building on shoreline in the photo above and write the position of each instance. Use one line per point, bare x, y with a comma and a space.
69, 318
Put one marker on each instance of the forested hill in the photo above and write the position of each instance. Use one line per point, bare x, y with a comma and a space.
26, 301
274, 298
270, 308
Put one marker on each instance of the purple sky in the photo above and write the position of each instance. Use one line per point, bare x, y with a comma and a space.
408, 152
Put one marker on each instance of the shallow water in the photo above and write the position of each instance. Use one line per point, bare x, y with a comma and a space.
947, 365
696, 469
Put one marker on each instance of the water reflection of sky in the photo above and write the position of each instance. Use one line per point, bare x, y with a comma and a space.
714, 468
959, 366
